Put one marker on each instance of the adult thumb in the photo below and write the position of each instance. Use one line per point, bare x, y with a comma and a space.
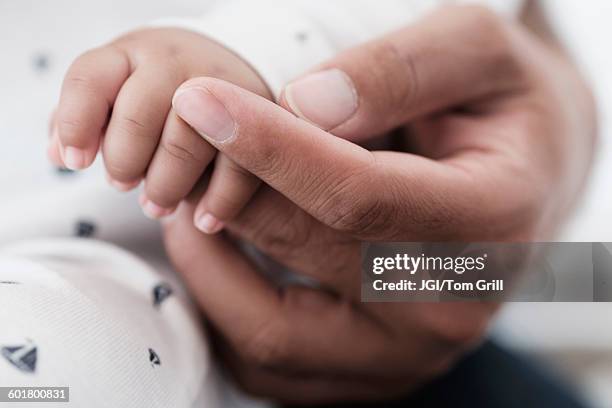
331, 178
455, 55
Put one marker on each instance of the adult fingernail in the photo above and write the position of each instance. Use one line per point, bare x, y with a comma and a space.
152, 210
326, 98
204, 113
74, 158
208, 224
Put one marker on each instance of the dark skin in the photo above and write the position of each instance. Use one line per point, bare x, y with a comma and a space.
500, 118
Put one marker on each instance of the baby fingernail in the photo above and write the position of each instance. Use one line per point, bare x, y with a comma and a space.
125, 187
122, 186
152, 210
326, 98
208, 224
200, 109
74, 158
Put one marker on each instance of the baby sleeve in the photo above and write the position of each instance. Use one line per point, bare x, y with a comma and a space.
282, 39
92, 317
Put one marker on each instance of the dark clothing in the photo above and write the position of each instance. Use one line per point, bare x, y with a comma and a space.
492, 377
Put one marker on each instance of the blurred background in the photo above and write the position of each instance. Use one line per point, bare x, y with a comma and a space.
38, 40
576, 338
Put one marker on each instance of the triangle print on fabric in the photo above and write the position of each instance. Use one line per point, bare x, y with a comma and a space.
22, 357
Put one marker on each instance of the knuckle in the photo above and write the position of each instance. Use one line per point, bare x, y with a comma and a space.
363, 216
78, 72
131, 125
80, 81
179, 151
267, 155
270, 166
354, 206
174, 67
153, 41
267, 347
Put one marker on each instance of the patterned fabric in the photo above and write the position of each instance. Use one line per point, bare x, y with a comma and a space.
90, 316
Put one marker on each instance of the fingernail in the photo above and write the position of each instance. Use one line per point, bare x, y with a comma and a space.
74, 158
152, 210
200, 109
124, 187
327, 98
208, 224
120, 185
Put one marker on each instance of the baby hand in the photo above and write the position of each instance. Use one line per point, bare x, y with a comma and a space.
118, 99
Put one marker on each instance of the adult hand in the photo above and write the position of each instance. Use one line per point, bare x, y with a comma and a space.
501, 131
